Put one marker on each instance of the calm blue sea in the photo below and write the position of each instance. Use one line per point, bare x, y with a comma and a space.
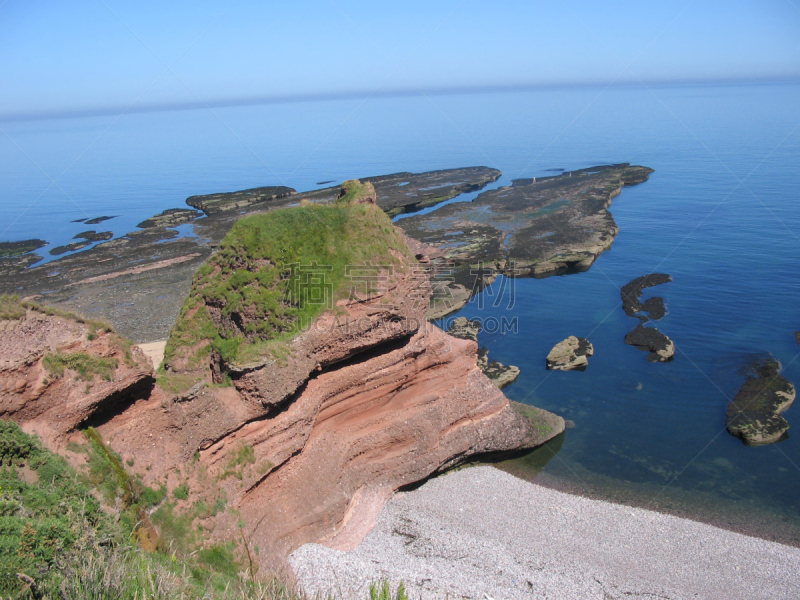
721, 214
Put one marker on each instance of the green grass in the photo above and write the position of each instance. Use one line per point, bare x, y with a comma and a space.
383, 591
64, 545
11, 307
352, 190
85, 365
181, 492
274, 273
242, 456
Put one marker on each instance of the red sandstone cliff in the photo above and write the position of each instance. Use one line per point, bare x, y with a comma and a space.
370, 399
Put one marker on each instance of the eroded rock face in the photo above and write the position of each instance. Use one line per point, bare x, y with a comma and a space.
369, 399
571, 354
649, 339
754, 415
57, 374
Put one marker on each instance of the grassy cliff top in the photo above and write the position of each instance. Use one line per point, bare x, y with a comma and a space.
277, 271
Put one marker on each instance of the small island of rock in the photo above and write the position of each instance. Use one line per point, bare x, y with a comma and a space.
572, 354
651, 340
754, 415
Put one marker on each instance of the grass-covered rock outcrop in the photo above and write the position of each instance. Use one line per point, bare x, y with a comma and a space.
275, 273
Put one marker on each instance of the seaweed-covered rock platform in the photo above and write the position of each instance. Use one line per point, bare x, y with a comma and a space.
754, 415
537, 227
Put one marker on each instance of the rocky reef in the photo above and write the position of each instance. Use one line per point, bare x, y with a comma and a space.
15, 256
500, 374
170, 218
304, 399
658, 346
647, 339
571, 354
754, 414
631, 297
535, 227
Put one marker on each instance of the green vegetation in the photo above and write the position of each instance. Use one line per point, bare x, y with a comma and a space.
57, 542
11, 307
276, 272
181, 492
243, 456
85, 365
384, 592
352, 190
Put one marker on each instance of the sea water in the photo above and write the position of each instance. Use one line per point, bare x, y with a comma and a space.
720, 214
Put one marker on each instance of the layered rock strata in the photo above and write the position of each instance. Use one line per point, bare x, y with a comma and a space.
58, 373
305, 444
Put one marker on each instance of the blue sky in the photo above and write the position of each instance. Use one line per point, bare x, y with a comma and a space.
98, 55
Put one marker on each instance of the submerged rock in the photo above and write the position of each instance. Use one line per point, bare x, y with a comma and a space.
498, 373
754, 414
650, 339
571, 354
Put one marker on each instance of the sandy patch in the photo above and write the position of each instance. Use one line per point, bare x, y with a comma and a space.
154, 351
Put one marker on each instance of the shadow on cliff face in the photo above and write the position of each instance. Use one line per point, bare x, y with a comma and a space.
525, 464
117, 403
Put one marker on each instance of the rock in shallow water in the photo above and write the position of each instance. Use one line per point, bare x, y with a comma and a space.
499, 374
631, 297
754, 414
650, 339
571, 354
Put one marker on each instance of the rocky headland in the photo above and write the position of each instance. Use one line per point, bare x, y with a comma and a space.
298, 400
754, 414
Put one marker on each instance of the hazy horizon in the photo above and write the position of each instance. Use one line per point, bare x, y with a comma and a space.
104, 57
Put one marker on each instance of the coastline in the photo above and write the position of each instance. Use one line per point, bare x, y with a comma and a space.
480, 532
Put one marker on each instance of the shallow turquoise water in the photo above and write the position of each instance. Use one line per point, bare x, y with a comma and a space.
720, 214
